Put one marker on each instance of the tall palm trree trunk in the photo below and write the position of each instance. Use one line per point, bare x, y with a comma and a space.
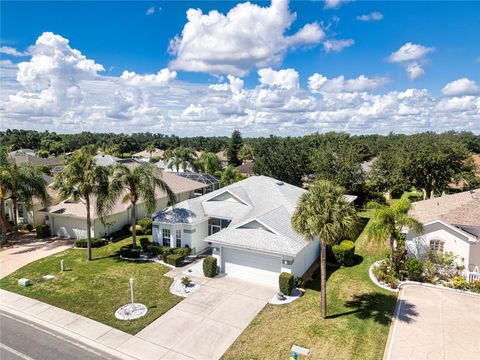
134, 225
323, 279
89, 227
15, 218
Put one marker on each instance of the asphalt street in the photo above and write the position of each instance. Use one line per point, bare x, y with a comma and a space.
21, 339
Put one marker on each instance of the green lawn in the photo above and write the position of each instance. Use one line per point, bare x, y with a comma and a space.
357, 327
96, 289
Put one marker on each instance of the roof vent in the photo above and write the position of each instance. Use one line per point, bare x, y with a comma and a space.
280, 183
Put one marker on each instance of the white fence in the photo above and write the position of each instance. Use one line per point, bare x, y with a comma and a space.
471, 276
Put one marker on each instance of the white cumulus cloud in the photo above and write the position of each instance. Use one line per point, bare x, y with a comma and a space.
286, 79
461, 87
334, 4
413, 57
162, 78
8, 50
374, 16
337, 45
248, 36
319, 83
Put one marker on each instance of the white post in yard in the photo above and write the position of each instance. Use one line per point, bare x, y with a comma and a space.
62, 265
132, 292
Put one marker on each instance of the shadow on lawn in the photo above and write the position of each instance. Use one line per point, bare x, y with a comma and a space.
378, 307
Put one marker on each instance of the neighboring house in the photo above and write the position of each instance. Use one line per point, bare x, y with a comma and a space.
212, 182
246, 168
247, 225
25, 156
105, 160
69, 218
223, 158
32, 214
145, 155
451, 224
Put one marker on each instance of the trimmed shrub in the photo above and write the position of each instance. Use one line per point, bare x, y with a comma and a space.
165, 252
138, 228
210, 266
344, 253
96, 242
459, 282
286, 282
147, 232
43, 231
145, 224
155, 250
145, 244
25, 226
175, 259
182, 251
128, 252
414, 268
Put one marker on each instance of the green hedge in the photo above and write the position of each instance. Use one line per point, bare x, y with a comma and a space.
43, 231
344, 252
414, 268
175, 259
96, 242
182, 251
127, 252
210, 266
286, 282
145, 244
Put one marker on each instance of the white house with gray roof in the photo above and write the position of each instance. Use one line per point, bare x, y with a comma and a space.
247, 225
451, 223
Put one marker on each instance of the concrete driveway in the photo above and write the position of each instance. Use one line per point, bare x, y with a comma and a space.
28, 250
433, 324
206, 323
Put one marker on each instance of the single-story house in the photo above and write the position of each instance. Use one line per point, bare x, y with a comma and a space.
247, 225
69, 218
32, 214
25, 156
246, 168
158, 153
212, 182
451, 223
223, 158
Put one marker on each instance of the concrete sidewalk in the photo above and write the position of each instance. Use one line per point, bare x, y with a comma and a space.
89, 332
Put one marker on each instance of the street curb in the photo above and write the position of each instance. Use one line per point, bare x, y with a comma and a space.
68, 333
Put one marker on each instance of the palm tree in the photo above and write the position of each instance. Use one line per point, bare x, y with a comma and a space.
387, 222
210, 163
181, 157
150, 149
134, 185
19, 183
229, 175
82, 180
324, 212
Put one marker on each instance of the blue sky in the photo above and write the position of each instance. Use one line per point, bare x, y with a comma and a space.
121, 36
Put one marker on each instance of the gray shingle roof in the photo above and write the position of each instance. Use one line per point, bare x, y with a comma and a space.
267, 200
456, 209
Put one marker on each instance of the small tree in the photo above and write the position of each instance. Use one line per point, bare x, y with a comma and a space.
81, 179
324, 212
133, 186
233, 149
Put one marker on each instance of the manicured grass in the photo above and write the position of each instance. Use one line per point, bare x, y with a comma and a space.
96, 289
357, 327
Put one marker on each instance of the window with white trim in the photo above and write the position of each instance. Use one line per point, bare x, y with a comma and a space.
437, 245
178, 238
215, 225
166, 237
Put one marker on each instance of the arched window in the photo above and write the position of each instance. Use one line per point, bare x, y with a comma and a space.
437, 245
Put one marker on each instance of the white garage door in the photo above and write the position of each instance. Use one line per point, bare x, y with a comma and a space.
251, 266
69, 227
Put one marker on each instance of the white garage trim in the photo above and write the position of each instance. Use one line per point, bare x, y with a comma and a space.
249, 265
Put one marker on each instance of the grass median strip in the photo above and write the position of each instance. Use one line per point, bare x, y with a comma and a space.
96, 289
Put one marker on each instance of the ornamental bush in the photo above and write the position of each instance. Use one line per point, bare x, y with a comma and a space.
174, 259
145, 244
43, 231
128, 252
344, 252
210, 266
286, 282
96, 242
414, 268
139, 230
145, 223
182, 251
459, 282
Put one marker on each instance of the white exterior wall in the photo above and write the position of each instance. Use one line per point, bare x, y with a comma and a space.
193, 238
454, 242
111, 224
474, 263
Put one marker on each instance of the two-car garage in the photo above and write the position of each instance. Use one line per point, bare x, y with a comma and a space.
250, 265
